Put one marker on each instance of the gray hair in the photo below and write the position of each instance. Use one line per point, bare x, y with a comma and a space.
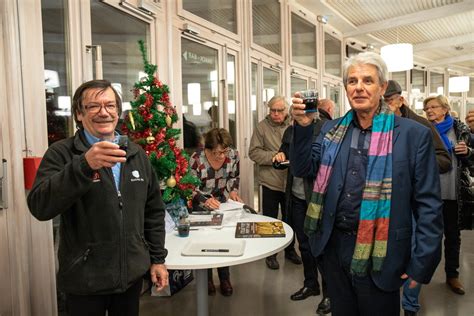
367, 58
276, 99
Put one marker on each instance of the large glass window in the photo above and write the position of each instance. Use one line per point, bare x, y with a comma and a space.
335, 96
436, 83
122, 63
401, 78
266, 24
221, 12
231, 96
418, 81
253, 99
303, 41
271, 85
298, 84
332, 55
58, 93
199, 64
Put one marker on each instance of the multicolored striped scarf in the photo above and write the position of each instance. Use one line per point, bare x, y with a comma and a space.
372, 233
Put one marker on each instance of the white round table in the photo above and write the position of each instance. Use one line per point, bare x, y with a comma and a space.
255, 249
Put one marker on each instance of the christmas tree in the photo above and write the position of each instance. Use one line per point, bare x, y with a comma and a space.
150, 124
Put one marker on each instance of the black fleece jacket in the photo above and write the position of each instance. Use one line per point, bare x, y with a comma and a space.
108, 238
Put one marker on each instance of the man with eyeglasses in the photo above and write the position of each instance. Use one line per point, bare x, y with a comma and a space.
112, 215
264, 146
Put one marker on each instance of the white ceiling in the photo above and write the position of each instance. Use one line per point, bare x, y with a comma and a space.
442, 31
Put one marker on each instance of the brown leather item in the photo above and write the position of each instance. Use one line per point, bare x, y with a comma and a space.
211, 289
226, 288
455, 285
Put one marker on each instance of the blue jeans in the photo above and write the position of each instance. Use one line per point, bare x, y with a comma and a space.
410, 296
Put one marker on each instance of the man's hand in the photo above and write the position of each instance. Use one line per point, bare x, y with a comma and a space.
234, 195
470, 120
159, 276
298, 113
412, 284
279, 157
104, 154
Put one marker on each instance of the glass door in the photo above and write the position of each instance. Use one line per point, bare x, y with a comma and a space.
114, 48
334, 92
266, 83
201, 107
209, 91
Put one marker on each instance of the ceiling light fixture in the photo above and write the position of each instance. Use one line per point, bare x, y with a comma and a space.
398, 57
322, 19
459, 84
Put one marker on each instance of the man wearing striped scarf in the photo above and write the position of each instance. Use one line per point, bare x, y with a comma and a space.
373, 170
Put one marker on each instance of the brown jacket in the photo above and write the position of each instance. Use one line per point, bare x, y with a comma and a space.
442, 156
264, 144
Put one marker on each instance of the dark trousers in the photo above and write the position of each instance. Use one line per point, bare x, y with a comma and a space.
223, 273
296, 215
120, 304
352, 295
452, 238
272, 200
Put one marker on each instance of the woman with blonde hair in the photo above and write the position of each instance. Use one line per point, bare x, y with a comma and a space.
455, 184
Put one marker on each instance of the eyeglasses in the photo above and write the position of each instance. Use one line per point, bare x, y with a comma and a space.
218, 153
279, 111
95, 108
431, 107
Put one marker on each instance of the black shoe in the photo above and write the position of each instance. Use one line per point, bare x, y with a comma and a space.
304, 293
293, 256
410, 313
272, 263
324, 307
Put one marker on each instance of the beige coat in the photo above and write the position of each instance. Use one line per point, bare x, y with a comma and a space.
265, 142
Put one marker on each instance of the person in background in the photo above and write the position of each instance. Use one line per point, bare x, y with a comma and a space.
456, 198
112, 227
297, 196
397, 103
454, 114
470, 123
326, 109
191, 136
364, 197
394, 99
218, 168
264, 145
470, 120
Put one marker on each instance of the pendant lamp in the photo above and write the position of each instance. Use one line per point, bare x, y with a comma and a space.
398, 57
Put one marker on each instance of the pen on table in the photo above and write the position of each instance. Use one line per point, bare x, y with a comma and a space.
214, 250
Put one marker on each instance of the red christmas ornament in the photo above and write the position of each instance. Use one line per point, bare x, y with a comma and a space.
149, 100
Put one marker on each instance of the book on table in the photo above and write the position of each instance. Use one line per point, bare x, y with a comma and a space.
259, 229
206, 220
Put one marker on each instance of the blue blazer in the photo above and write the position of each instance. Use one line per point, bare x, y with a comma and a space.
415, 194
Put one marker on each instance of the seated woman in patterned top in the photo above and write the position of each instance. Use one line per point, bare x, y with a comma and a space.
217, 166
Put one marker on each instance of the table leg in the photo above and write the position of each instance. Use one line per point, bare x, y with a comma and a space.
201, 292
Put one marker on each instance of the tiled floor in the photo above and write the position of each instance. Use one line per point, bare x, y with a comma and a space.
259, 291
